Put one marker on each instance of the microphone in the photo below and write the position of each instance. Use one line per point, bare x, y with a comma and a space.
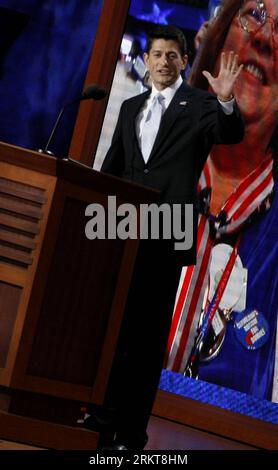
92, 92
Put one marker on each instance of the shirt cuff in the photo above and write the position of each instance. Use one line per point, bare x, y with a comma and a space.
228, 106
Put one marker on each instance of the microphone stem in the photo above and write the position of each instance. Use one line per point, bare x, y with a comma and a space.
54, 128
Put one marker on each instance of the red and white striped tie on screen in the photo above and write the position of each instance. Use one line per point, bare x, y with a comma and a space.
241, 204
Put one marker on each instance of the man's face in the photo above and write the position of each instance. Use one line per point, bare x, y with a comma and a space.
164, 62
257, 86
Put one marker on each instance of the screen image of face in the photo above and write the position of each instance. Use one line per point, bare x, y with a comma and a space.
238, 194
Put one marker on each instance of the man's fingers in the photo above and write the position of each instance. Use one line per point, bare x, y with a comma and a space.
230, 61
222, 61
238, 70
234, 65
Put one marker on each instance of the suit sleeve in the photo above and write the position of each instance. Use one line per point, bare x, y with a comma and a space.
218, 127
114, 159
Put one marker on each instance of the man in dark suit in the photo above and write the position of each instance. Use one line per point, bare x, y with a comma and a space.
161, 140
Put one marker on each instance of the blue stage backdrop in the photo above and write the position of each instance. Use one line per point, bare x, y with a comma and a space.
44, 54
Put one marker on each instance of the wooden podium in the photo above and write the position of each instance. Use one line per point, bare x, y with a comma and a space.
61, 296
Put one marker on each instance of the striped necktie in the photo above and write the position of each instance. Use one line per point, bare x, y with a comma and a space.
151, 125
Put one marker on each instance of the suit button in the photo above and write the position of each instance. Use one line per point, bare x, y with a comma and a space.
146, 171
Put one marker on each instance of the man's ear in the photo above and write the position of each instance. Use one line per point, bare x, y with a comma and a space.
146, 59
184, 61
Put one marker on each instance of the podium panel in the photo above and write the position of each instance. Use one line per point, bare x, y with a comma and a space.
25, 202
63, 295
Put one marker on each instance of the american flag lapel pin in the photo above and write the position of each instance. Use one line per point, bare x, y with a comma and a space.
183, 103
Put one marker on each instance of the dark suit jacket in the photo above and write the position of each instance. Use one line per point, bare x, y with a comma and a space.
192, 123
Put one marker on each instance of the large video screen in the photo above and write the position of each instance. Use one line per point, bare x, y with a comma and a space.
228, 358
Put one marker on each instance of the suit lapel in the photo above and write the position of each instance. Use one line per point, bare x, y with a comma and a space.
177, 106
135, 105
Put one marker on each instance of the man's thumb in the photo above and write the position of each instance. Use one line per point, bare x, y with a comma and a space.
207, 75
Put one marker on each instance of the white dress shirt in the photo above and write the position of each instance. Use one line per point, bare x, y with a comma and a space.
168, 94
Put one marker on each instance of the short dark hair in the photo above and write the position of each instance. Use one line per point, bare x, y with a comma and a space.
167, 32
